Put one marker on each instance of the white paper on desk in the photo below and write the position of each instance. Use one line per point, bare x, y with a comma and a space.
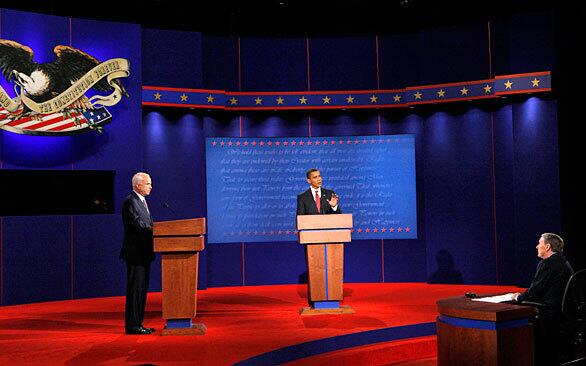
495, 299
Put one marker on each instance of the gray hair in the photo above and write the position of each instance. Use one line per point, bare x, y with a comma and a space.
138, 178
556, 241
308, 173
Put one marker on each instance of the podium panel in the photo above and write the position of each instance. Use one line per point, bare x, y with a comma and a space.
179, 243
323, 237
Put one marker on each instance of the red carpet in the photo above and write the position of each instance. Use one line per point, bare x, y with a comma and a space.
242, 322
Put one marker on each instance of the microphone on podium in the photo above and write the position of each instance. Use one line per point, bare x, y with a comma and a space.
166, 205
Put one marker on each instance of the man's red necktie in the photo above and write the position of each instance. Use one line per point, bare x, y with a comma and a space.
317, 202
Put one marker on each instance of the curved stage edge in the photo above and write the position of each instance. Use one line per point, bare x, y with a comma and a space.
251, 325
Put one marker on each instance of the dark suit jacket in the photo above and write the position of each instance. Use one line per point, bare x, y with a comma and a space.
138, 231
549, 283
306, 203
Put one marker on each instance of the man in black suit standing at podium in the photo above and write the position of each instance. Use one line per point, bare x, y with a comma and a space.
137, 251
317, 200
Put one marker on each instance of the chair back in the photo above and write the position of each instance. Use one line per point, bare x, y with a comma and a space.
574, 300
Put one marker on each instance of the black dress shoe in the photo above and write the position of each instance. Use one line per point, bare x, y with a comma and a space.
151, 330
137, 330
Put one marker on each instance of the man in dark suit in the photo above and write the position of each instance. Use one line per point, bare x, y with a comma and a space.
547, 287
317, 200
137, 251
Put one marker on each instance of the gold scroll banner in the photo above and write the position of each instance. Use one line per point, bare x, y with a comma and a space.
112, 69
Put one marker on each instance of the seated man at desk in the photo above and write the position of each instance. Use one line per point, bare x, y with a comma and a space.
547, 288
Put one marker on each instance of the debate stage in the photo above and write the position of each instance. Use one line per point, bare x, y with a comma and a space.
394, 323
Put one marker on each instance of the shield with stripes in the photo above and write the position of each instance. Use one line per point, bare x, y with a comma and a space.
65, 122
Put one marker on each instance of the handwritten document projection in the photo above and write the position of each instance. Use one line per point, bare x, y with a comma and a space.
253, 183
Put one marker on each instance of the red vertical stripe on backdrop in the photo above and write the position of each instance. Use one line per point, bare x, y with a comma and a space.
496, 244
308, 72
240, 135
489, 50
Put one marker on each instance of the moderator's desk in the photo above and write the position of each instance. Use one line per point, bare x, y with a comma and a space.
481, 333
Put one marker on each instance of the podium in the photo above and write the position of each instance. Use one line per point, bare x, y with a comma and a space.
323, 237
481, 333
179, 243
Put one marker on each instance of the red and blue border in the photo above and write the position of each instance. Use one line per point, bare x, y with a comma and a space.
536, 82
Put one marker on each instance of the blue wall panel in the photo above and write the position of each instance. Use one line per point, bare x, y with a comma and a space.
536, 178
36, 259
273, 64
458, 198
362, 261
342, 63
220, 63
174, 58
454, 54
399, 61
274, 263
97, 268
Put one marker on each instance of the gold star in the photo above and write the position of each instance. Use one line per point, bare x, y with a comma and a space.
508, 85
157, 96
487, 88
183, 97
280, 100
373, 98
210, 99
535, 82
441, 93
326, 99
464, 91
417, 95
303, 100
397, 98
258, 101
233, 101
350, 99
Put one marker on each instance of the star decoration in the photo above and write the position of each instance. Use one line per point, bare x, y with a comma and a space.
535, 82
157, 96
464, 91
280, 100
417, 95
210, 99
373, 98
487, 88
350, 99
326, 99
303, 100
508, 84
441, 93
183, 97
397, 98
258, 101
233, 101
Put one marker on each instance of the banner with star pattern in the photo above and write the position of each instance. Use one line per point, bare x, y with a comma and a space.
399, 98
253, 183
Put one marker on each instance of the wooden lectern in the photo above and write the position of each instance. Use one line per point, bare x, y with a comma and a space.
179, 243
323, 236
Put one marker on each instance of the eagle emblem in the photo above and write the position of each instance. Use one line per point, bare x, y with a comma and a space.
50, 98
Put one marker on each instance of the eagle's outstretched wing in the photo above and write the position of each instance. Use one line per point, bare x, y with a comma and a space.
73, 64
14, 56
